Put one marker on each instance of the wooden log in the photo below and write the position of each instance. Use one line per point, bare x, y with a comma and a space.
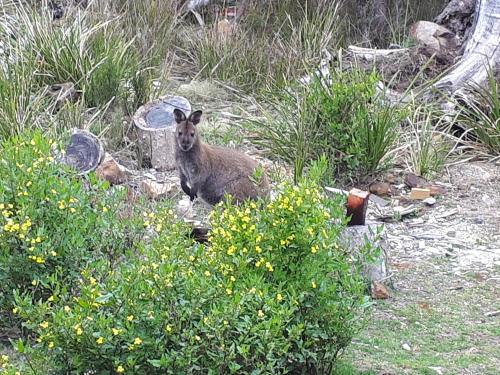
84, 152
357, 203
155, 126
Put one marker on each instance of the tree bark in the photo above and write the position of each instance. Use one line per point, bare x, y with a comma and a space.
481, 51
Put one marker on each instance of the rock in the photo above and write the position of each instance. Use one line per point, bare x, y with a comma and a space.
429, 201
358, 236
406, 347
380, 188
155, 190
109, 170
414, 181
436, 190
379, 291
434, 39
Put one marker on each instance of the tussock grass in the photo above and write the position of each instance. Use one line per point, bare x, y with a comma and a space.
480, 113
271, 45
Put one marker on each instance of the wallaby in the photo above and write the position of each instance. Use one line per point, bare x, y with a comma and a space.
212, 171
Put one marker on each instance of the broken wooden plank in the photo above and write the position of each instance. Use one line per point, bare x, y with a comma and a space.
420, 193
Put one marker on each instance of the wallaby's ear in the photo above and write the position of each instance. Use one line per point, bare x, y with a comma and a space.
179, 116
195, 117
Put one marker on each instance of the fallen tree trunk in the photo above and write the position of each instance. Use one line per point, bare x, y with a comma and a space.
481, 50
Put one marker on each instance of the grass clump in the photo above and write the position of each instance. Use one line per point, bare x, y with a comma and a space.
272, 292
340, 117
273, 42
428, 147
480, 112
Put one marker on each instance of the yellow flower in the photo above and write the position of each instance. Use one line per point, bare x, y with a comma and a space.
120, 369
229, 291
279, 297
44, 324
34, 282
314, 249
79, 331
168, 328
233, 279
115, 331
72, 210
100, 340
5, 358
258, 248
51, 344
137, 341
207, 273
197, 338
191, 258
130, 318
53, 253
104, 209
50, 299
92, 281
313, 284
260, 313
15, 310
225, 322
67, 308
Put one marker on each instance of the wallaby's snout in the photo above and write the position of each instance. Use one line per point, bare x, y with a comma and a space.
186, 133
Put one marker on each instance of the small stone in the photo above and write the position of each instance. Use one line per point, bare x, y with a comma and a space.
451, 233
407, 347
436, 190
155, 190
429, 201
414, 181
109, 170
380, 188
379, 291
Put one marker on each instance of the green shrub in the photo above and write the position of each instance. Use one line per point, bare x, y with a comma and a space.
51, 222
272, 292
343, 119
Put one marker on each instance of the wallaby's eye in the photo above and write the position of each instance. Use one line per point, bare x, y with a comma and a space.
192, 134
180, 133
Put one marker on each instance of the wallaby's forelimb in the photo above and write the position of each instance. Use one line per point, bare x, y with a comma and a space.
192, 194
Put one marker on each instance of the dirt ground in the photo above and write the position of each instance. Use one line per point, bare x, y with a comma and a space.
444, 313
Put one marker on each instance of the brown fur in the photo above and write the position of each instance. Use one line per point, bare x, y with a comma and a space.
212, 171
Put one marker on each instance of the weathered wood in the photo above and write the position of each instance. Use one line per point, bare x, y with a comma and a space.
458, 17
84, 152
372, 54
480, 51
155, 124
358, 237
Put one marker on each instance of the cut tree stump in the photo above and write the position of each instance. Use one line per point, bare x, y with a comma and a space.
357, 237
84, 152
155, 126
